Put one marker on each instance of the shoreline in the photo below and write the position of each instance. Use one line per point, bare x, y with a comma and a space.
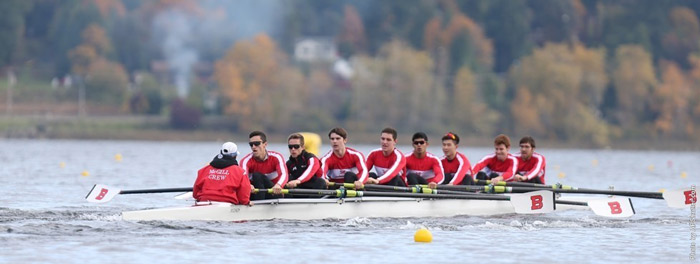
155, 128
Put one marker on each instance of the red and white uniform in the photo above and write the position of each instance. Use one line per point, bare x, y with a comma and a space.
491, 164
386, 167
460, 166
229, 184
334, 167
273, 166
533, 167
429, 167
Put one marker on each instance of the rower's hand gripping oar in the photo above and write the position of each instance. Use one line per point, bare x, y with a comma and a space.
103, 193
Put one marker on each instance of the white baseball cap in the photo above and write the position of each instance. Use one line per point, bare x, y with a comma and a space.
230, 149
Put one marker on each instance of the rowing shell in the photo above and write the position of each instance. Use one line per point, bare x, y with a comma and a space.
308, 209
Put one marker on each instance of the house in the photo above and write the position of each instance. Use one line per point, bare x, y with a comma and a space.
317, 49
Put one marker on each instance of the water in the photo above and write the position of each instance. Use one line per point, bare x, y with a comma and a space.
45, 219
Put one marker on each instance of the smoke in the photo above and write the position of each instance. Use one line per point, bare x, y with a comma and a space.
186, 38
178, 49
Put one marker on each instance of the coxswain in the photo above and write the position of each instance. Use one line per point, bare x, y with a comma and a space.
222, 180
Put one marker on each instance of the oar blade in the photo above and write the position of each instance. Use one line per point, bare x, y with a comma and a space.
537, 202
616, 207
101, 194
680, 198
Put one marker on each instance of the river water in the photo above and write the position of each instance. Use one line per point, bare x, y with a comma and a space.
44, 217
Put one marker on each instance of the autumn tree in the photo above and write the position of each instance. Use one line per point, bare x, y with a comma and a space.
467, 110
565, 86
684, 36
259, 86
396, 88
671, 102
634, 79
352, 34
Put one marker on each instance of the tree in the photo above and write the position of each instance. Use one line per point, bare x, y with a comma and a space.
684, 36
352, 35
106, 83
634, 78
467, 110
670, 101
566, 84
254, 78
12, 28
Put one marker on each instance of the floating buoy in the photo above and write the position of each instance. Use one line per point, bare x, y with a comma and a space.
684, 175
594, 162
669, 163
312, 142
62, 164
561, 175
118, 157
423, 235
650, 167
662, 190
85, 173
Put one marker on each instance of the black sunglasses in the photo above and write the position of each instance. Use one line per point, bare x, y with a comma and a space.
295, 146
254, 143
421, 142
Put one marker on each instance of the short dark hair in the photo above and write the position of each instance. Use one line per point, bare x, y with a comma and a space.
418, 135
502, 139
391, 131
451, 136
298, 136
528, 139
340, 131
258, 133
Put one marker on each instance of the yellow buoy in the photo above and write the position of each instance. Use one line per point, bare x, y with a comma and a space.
85, 173
561, 175
650, 167
423, 235
662, 190
684, 175
312, 142
62, 164
118, 157
594, 162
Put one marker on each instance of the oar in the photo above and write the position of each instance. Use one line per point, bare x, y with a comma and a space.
675, 198
523, 184
527, 203
102, 193
611, 207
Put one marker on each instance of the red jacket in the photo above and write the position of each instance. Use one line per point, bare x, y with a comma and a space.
534, 167
273, 167
429, 167
386, 167
334, 167
504, 168
460, 166
228, 184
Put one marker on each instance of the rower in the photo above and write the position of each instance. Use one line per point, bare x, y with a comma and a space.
531, 165
387, 161
343, 164
499, 166
458, 170
223, 180
265, 168
303, 167
422, 167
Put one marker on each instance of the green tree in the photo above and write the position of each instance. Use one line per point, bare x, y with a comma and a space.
12, 29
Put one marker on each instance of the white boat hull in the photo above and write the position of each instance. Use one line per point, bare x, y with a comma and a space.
307, 209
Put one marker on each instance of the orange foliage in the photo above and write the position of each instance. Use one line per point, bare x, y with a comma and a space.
95, 36
435, 36
671, 100
353, 31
